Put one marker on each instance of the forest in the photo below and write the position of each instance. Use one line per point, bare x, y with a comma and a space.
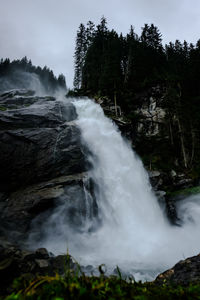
14, 74
122, 68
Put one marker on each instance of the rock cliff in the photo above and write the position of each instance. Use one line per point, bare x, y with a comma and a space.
41, 160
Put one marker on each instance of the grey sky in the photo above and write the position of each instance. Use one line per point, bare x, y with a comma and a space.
45, 30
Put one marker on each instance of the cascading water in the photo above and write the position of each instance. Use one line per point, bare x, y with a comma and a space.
132, 231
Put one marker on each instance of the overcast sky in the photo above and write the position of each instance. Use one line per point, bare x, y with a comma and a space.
45, 30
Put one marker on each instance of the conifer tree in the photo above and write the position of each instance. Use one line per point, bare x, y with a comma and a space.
90, 33
79, 55
151, 36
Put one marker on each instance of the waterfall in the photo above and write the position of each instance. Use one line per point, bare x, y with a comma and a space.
134, 232
130, 230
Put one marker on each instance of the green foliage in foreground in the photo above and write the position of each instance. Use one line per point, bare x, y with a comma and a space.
74, 287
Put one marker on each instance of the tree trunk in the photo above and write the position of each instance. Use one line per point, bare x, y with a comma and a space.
193, 145
171, 132
182, 143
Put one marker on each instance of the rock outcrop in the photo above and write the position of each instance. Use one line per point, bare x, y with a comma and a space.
151, 114
41, 159
15, 263
184, 272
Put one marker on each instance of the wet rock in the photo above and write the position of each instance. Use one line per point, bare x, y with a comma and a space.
153, 174
41, 161
15, 262
42, 263
34, 155
26, 254
62, 264
180, 180
173, 173
16, 92
184, 183
42, 253
172, 212
157, 179
184, 272
160, 196
25, 204
38, 143
45, 114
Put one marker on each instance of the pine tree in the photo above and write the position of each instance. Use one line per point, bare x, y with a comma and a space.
80, 51
151, 36
131, 39
102, 27
90, 33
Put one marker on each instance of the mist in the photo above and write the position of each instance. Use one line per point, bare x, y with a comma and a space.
131, 229
22, 80
21, 74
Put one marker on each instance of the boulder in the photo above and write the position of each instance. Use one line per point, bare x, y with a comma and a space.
184, 272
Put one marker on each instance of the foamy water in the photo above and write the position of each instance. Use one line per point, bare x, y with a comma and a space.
133, 232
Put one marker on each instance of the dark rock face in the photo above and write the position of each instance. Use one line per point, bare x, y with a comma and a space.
184, 272
37, 112
33, 155
22, 206
41, 159
38, 143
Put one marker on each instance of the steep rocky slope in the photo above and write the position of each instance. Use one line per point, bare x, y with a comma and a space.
41, 160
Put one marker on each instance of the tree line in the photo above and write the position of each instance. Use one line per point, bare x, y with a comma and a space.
120, 67
46, 76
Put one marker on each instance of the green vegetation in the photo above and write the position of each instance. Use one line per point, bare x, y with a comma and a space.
76, 285
185, 192
73, 287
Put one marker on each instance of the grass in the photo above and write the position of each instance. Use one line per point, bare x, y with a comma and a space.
75, 285
109, 288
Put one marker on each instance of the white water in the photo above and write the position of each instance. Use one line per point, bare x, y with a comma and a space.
133, 232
